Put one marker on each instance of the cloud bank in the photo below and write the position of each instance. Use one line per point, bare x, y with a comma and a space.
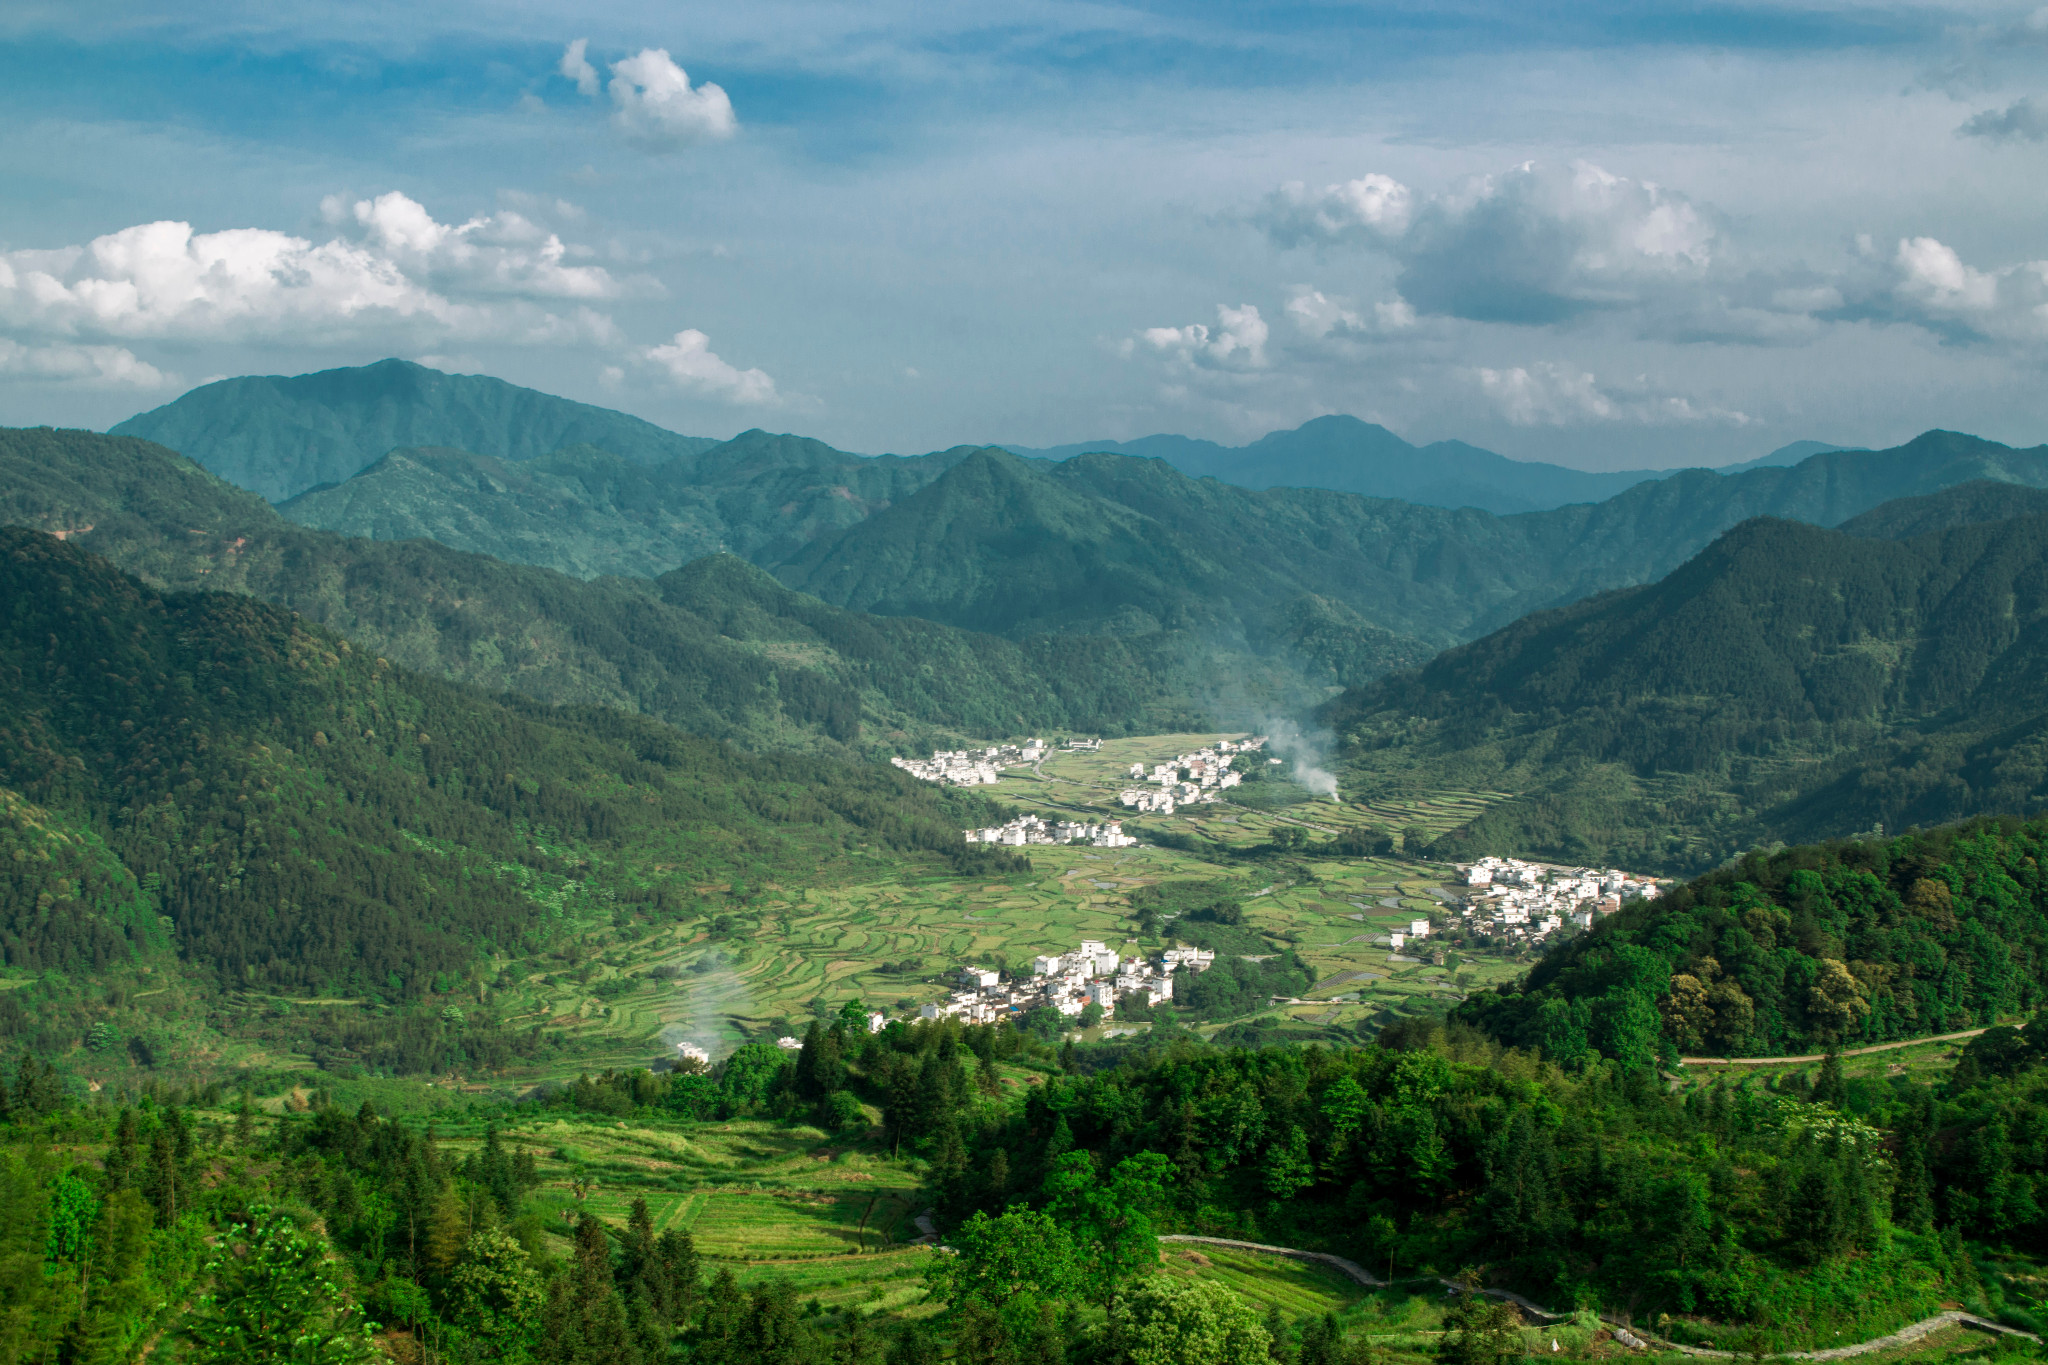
394, 277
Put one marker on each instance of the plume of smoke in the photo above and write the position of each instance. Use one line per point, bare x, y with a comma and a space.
1306, 752
712, 992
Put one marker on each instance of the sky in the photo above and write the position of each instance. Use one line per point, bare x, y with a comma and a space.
1610, 235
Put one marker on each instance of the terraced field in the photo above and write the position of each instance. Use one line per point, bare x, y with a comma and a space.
892, 940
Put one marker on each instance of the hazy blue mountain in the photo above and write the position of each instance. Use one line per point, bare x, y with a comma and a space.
280, 435
1784, 455
1351, 456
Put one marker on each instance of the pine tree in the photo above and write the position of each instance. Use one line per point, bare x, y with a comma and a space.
125, 1151
245, 1121
160, 1177
1829, 1087
677, 1252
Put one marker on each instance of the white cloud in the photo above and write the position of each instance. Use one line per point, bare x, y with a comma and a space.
690, 363
1238, 341
1553, 395
576, 67
91, 366
405, 276
658, 108
504, 252
1374, 207
1315, 314
1534, 245
1935, 288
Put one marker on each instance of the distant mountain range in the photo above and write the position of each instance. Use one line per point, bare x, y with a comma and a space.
717, 648
1352, 456
1248, 598
1788, 682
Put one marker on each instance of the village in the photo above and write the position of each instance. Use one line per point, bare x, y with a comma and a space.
1094, 974
1189, 779
984, 766
1033, 829
1518, 901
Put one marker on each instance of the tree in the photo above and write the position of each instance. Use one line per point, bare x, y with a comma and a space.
1113, 1218
1828, 1086
1170, 1321
1009, 1264
498, 1297
1479, 1330
276, 1298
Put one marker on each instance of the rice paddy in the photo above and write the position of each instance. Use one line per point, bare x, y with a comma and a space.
893, 940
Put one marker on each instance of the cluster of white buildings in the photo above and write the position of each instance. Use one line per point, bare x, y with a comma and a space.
1032, 829
972, 767
1069, 982
1186, 779
1529, 901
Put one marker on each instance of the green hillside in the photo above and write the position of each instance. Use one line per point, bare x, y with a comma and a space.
280, 435
1839, 945
585, 511
1966, 504
304, 816
767, 669
1787, 683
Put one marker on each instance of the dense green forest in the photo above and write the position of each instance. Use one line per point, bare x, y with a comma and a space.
1753, 1216
1831, 945
204, 780
1787, 683
716, 648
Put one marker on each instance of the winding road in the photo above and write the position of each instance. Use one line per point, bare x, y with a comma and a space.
1623, 1333
1819, 1056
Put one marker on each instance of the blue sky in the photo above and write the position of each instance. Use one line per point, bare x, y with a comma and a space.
1609, 235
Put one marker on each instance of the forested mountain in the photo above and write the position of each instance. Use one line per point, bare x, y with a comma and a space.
586, 511
1789, 952
1788, 682
282, 434
759, 665
1966, 504
1004, 544
302, 814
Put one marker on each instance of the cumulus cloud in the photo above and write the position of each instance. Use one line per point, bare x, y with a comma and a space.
2020, 120
1535, 245
90, 366
402, 275
653, 102
576, 66
1547, 394
658, 108
1373, 208
1238, 341
691, 364
1932, 286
